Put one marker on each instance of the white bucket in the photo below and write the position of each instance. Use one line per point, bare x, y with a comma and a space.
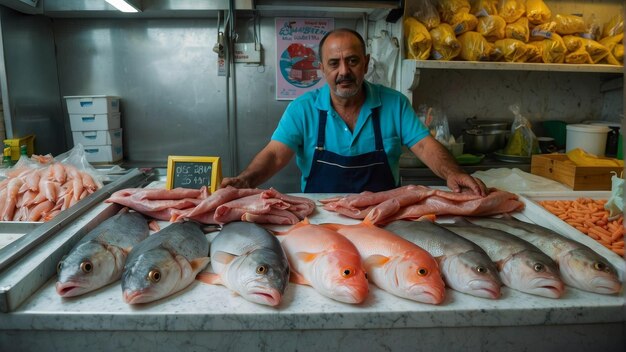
590, 138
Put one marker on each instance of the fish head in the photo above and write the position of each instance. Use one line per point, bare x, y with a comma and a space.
88, 267
261, 276
339, 274
473, 273
150, 276
415, 277
534, 273
587, 270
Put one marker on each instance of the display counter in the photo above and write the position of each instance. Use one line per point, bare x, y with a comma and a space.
207, 317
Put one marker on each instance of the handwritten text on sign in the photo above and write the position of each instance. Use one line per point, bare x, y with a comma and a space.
193, 172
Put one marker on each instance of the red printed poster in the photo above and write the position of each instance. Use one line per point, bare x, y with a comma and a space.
297, 48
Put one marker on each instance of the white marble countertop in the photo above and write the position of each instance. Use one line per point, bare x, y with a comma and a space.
203, 307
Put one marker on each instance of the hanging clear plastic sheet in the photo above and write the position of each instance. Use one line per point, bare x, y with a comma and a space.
383, 51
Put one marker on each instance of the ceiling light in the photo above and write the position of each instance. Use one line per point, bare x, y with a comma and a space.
125, 5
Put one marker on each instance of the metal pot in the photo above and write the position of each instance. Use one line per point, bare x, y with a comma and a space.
486, 125
480, 141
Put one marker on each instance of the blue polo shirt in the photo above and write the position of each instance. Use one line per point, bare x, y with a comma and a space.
398, 123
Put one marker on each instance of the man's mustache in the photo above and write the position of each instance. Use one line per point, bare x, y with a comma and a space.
345, 79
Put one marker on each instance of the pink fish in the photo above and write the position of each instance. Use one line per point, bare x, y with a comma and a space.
322, 258
394, 264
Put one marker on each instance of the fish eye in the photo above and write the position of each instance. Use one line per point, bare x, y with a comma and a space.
86, 266
347, 272
154, 276
261, 269
600, 266
538, 267
59, 266
366, 276
422, 271
481, 269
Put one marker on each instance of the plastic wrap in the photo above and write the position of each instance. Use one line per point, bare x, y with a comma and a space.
481, 8
511, 10
522, 141
518, 30
463, 22
491, 27
449, 8
418, 40
512, 50
569, 24
537, 11
614, 26
426, 13
445, 44
474, 47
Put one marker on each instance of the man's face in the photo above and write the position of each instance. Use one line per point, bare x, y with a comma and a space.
343, 64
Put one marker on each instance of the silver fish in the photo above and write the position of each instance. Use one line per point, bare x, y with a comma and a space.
464, 265
249, 260
580, 266
98, 258
522, 266
165, 263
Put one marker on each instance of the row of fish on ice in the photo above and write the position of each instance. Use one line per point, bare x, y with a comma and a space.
415, 260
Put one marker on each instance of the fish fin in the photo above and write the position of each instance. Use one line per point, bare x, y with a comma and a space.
223, 257
296, 278
198, 264
427, 217
154, 225
303, 222
209, 278
306, 256
375, 260
460, 220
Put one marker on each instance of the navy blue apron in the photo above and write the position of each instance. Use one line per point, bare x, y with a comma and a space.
334, 173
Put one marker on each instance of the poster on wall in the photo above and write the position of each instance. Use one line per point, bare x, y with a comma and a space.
297, 48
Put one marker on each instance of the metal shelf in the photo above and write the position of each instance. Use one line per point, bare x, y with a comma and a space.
411, 69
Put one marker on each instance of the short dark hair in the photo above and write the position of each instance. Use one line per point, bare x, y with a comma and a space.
342, 30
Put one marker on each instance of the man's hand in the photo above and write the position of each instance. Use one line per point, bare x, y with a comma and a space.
457, 181
236, 182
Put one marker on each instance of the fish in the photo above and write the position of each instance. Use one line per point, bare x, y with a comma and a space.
249, 260
98, 258
394, 264
165, 263
465, 266
580, 266
522, 266
325, 260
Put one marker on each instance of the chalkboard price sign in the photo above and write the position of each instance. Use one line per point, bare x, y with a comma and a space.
194, 172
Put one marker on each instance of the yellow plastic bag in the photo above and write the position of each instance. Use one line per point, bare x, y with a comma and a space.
534, 53
569, 24
474, 47
537, 11
543, 31
578, 56
445, 44
618, 53
512, 50
491, 27
553, 50
448, 8
614, 26
518, 30
596, 50
418, 40
426, 13
511, 10
611, 43
484, 7
463, 22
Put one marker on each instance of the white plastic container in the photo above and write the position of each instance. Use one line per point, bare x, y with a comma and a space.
103, 153
92, 104
590, 138
95, 122
113, 137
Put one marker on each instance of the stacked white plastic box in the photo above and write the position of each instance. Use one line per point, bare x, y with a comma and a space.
95, 123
